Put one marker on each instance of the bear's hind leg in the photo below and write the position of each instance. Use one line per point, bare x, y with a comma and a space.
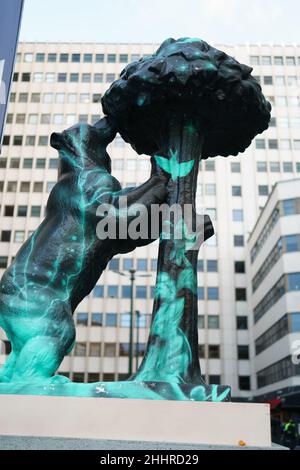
38, 360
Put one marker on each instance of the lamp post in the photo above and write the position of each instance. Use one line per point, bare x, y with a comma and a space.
132, 276
137, 351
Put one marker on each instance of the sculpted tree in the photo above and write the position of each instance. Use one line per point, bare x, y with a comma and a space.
187, 102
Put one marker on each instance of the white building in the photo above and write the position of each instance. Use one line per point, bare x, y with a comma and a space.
58, 84
274, 288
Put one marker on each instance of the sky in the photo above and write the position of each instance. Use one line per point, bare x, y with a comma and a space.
218, 21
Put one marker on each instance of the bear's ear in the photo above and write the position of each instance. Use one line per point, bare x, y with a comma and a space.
56, 140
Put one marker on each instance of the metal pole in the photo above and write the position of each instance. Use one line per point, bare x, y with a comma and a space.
132, 279
137, 339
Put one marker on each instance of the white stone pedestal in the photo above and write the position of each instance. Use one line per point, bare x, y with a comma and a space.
218, 424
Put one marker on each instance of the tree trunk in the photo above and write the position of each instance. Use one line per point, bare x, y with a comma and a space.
172, 349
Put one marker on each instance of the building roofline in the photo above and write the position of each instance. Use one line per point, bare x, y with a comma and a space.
135, 43
269, 197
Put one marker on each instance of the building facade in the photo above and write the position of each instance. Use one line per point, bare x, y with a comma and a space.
274, 271
58, 84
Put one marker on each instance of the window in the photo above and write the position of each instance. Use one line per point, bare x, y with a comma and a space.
240, 294
200, 292
52, 57
288, 167
237, 215
98, 291
74, 77
200, 265
25, 187
93, 377
210, 165
109, 349
19, 236
95, 350
213, 322
214, 379
127, 263
48, 98
97, 319
97, 98
35, 211
35, 98
239, 267
268, 80
123, 58
82, 319
214, 351
43, 140
45, 118
27, 163
50, 77
274, 167
278, 60
5, 235
88, 58
59, 98
8, 211
273, 144
125, 320
213, 293
110, 77
201, 351
76, 58
111, 319
124, 349
142, 264
293, 281
11, 187
254, 60
242, 323
289, 207
243, 352
238, 240
273, 122
30, 140
9, 118
62, 78
281, 370
126, 292
114, 264
235, 167
141, 292
236, 191
23, 97
78, 377
3, 262
98, 77
263, 190
28, 57
201, 322
64, 57
111, 58
80, 349
210, 189
295, 322
212, 265
58, 119
14, 163
244, 382
290, 61
153, 264
266, 60
86, 78
281, 101
99, 58
20, 118
296, 144
40, 57
261, 167
113, 291
38, 187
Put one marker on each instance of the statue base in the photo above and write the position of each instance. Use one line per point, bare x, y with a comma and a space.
128, 389
240, 425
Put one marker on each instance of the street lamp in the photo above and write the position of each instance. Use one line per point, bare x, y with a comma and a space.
132, 276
